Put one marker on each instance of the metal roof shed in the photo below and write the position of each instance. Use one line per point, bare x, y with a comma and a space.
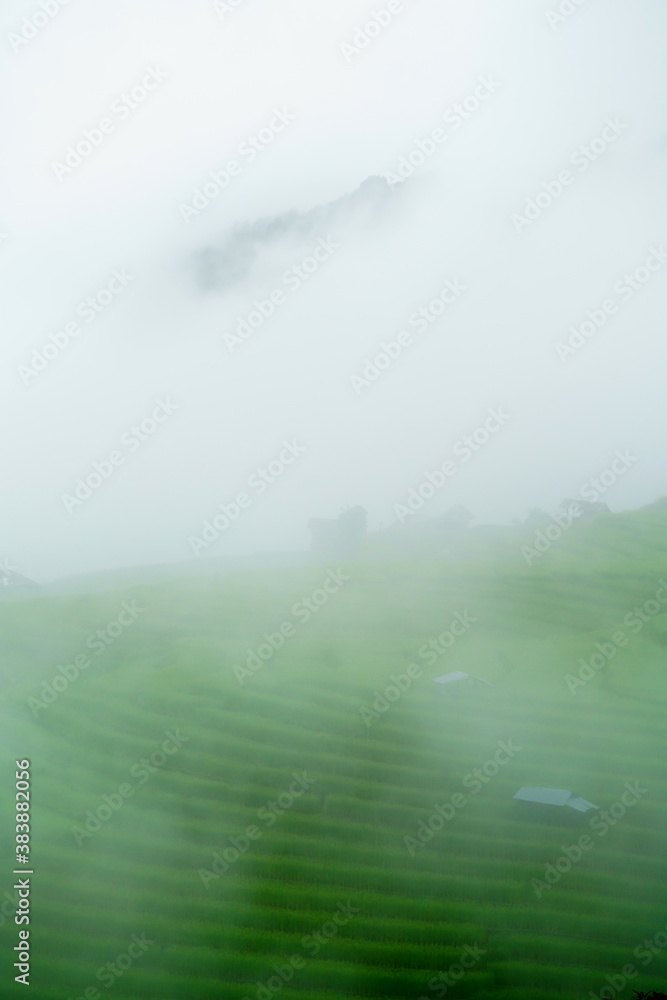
449, 683
554, 797
458, 675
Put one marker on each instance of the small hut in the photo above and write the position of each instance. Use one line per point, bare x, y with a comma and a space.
451, 683
547, 804
12, 582
585, 510
340, 537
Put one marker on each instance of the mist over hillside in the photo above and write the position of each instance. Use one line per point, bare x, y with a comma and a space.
333, 548
230, 758
365, 247
223, 267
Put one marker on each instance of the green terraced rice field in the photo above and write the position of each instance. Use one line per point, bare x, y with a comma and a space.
338, 847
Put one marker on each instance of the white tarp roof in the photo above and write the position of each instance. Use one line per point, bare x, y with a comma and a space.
554, 797
458, 675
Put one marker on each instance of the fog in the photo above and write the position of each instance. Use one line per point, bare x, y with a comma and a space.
325, 175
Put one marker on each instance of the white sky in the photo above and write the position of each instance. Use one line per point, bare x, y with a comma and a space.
163, 336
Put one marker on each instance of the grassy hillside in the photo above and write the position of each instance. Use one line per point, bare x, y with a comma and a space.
329, 892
